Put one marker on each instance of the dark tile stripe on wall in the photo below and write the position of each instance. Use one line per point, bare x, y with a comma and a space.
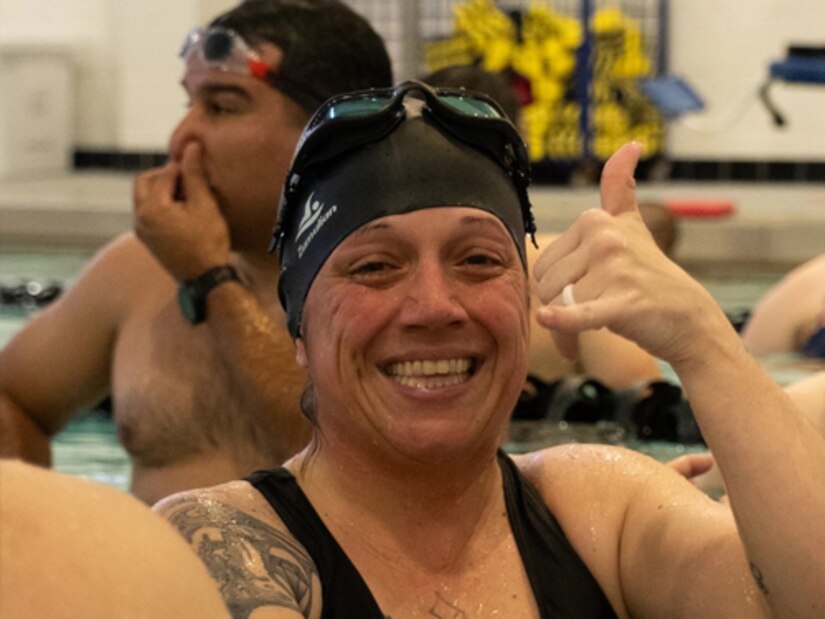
553, 172
117, 161
768, 171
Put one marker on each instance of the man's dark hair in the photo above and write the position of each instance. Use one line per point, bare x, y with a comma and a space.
328, 48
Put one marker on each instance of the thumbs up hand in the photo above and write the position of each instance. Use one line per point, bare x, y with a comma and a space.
616, 277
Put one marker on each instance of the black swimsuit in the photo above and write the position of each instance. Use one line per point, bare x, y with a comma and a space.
562, 585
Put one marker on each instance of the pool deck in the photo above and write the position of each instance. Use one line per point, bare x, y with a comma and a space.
773, 227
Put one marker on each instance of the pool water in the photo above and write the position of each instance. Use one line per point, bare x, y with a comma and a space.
88, 447
46, 267
525, 436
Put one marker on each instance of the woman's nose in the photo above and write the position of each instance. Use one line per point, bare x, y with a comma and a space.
433, 299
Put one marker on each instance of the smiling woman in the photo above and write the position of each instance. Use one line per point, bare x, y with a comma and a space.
409, 308
422, 315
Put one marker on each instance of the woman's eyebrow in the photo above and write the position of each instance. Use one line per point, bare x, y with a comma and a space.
371, 228
485, 222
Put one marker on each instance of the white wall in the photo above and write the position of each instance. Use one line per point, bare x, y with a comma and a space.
150, 34
724, 49
124, 54
128, 98
149, 98
86, 28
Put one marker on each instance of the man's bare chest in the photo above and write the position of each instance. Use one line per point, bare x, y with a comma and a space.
172, 394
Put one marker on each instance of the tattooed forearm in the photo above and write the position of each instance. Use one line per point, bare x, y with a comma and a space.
759, 578
254, 564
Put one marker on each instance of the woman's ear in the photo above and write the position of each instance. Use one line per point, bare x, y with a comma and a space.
300, 353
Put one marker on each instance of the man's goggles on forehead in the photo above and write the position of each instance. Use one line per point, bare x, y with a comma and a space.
223, 49
355, 119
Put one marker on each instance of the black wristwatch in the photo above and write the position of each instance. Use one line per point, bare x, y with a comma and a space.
192, 292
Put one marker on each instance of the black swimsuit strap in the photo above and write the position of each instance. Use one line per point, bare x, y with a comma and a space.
344, 593
562, 584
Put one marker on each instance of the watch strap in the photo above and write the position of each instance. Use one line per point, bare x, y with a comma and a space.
193, 292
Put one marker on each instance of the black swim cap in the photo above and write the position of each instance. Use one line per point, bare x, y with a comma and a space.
417, 166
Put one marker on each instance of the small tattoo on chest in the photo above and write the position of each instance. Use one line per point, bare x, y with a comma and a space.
444, 610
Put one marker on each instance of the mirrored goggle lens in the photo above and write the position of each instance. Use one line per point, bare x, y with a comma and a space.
365, 106
217, 46
355, 108
470, 106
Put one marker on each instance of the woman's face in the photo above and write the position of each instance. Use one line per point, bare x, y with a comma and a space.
416, 333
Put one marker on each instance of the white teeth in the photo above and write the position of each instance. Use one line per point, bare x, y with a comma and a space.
431, 374
438, 382
427, 368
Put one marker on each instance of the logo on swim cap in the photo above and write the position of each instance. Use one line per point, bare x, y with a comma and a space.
312, 210
312, 221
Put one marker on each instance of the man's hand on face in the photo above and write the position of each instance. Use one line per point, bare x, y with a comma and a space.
178, 218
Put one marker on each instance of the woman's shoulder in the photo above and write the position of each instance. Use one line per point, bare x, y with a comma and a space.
246, 547
570, 463
572, 478
218, 505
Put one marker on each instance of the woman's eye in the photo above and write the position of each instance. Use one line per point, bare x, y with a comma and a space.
483, 260
375, 272
371, 268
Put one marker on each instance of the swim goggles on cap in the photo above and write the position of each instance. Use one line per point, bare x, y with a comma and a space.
355, 119
223, 49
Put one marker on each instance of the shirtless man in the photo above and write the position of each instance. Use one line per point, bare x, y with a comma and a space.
188, 401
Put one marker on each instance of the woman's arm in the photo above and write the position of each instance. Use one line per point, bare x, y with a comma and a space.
770, 455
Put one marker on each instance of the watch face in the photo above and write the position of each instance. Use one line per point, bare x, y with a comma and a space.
187, 304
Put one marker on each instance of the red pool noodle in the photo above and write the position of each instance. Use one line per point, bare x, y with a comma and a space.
700, 209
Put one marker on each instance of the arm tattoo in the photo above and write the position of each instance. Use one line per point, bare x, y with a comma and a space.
254, 564
759, 578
